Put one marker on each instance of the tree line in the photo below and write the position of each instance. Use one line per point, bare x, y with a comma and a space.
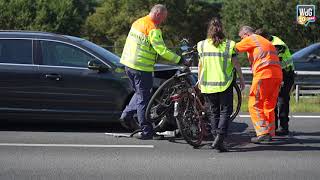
107, 22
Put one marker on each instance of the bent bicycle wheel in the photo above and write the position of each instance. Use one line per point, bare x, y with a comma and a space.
237, 100
160, 104
191, 127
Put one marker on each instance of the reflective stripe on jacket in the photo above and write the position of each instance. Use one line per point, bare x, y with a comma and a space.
143, 44
286, 62
262, 56
215, 66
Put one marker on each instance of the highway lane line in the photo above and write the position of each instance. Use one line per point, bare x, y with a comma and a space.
298, 116
295, 116
244, 116
117, 134
76, 145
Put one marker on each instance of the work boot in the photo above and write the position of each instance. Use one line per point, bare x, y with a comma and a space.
124, 123
218, 144
262, 138
221, 147
157, 137
153, 137
282, 132
129, 123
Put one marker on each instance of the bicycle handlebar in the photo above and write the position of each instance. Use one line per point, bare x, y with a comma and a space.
188, 53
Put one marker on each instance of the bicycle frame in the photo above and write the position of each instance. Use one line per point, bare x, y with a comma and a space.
184, 89
181, 86
176, 98
190, 93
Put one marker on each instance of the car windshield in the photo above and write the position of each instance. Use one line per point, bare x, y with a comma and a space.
114, 59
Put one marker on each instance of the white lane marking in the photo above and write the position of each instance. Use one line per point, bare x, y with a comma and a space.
117, 134
77, 145
295, 116
244, 116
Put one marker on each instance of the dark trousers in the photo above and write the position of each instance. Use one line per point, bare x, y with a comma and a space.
219, 108
142, 83
282, 108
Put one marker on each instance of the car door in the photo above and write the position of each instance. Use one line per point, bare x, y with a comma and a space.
70, 87
313, 60
19, 77
308, 59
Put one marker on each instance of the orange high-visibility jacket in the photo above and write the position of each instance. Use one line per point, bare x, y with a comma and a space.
262, 56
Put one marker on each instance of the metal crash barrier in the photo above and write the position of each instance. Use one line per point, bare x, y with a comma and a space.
306, 82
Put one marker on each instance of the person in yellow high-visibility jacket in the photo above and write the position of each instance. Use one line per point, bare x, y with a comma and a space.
143, 45
217, 58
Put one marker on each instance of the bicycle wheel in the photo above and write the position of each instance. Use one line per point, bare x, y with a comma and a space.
160, 104
237, 100
189, 125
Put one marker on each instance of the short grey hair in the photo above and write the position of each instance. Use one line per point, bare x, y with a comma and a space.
158, 8
246, 30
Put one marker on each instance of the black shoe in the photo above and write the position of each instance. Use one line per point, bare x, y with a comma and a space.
154, 137
221, 148
262, 138
218, 144
129, 123
282, 132
157, 137
124, 123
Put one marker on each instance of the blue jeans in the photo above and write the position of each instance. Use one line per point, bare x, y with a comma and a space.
142, 83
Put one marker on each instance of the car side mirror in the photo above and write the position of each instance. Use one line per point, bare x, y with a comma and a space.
97, 65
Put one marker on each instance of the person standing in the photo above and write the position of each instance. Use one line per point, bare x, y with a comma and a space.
143, 45
217, 60
282, 108
267, 78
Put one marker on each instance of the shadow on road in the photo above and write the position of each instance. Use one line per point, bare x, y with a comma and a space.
237, 136
276, 148
236, 127
307, 133
239, 141
294, 142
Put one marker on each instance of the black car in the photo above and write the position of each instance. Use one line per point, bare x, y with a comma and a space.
49, 76
308, 58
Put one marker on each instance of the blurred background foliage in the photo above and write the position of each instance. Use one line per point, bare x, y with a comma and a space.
107, 22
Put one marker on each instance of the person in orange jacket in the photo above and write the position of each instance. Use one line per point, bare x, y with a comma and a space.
267, 78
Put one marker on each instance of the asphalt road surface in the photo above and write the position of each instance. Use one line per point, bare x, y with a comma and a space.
85, 151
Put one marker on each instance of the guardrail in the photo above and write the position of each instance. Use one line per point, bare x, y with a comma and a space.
309, 79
